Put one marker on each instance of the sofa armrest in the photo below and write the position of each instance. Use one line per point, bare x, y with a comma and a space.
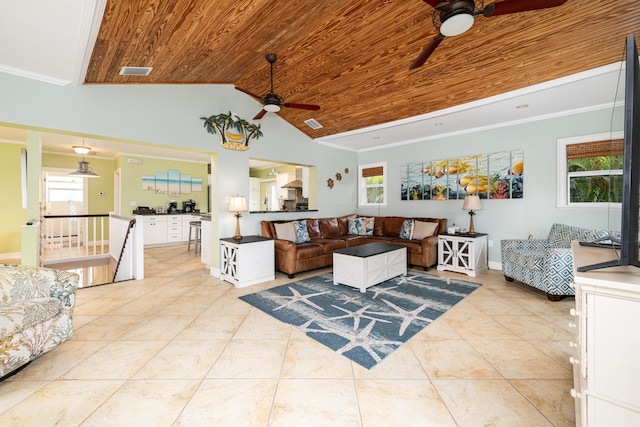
284, 245
21, 282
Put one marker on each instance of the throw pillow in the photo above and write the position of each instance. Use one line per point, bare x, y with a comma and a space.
360, 226
369, 222
422, 229
406, 231
351, 226
285, 231
302, 234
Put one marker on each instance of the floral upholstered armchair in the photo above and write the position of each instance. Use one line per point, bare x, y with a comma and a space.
545, 264
36, 306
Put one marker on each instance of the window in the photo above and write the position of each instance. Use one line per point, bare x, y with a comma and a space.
64, 195
372, 188
590, 170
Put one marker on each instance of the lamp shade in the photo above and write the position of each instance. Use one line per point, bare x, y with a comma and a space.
471, 203
238, 204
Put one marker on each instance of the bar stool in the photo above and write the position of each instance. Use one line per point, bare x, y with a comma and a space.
195, 227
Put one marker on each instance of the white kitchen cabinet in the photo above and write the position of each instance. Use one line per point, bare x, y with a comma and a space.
174, 228
155, 229
254, 194
285, 193
247, 261
464, 253
606, 350
166, 229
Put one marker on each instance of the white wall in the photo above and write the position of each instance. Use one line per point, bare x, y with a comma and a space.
170, 115
504, 219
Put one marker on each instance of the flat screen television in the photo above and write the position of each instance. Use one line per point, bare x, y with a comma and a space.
626, 247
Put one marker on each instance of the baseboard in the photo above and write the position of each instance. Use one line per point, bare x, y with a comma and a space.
215, 272
493, 265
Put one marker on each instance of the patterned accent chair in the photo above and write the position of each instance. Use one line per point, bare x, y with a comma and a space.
545, 264
36, 307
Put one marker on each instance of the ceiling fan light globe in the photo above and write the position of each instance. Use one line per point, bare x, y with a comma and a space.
272, 108
456, 24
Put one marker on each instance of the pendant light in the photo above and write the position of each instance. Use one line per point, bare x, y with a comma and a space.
84, 171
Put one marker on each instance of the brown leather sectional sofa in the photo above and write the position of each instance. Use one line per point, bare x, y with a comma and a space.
329, 234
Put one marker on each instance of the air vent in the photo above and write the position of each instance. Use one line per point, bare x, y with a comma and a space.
135, 71
313, 124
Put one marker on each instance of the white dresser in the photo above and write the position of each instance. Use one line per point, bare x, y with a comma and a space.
606, 355
464, 253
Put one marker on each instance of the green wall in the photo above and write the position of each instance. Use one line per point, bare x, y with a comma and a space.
132, 191
13, 215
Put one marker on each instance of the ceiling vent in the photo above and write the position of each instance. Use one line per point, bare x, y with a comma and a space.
135, 71
313, 124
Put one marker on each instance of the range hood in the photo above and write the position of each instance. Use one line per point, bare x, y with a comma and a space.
296, 183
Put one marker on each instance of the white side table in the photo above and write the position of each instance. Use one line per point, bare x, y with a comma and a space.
247, 261
463, 253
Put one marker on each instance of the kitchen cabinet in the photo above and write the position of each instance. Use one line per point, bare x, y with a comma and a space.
166, 229
285, 193
605, 351
155, 229
464, 253
254, 194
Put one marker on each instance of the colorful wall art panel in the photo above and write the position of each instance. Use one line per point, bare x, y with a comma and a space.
490, 176
171, 182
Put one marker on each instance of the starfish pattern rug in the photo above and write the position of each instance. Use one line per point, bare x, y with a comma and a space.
365, 327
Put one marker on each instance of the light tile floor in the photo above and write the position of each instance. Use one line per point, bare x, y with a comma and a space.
180, 349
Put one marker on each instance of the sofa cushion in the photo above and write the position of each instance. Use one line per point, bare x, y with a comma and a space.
328, 227
392, 226
285, 231
313, 228
309, 250
302, 235
422, 229
330, 245
406, 231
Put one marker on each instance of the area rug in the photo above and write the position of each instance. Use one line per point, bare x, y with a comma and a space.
365, 327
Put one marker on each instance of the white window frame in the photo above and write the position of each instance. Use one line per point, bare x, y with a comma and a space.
562, 181
362, 185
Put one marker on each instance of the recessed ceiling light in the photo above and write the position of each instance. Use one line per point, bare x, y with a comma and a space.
376, 137
522, 106
438, 124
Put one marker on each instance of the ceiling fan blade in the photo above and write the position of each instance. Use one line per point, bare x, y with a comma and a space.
514, 6
302, 106
248, 93
426, 53
434, 3
260, 114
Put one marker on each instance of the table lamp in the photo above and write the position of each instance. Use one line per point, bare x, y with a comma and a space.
471, 204
238, 204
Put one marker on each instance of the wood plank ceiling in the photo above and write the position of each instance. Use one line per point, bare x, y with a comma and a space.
352, 57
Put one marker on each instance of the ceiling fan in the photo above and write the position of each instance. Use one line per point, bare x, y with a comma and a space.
271, 101
454, 17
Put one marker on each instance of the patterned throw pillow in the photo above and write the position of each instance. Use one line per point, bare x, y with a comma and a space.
369, 222
422, 229
406, 232
302, 234
360, 226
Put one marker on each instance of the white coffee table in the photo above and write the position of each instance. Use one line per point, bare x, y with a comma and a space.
366, 265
